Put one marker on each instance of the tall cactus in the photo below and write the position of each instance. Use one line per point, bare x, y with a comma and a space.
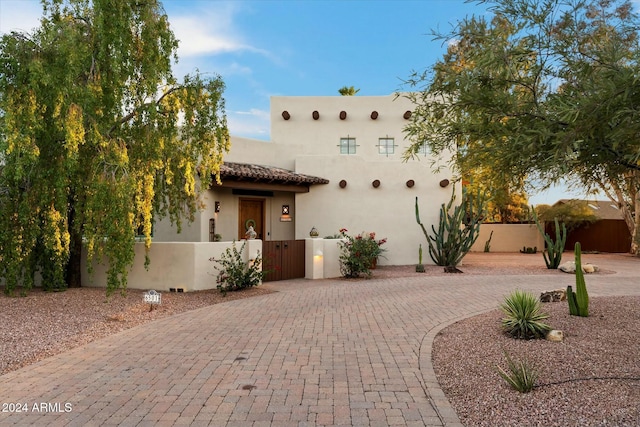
579, 300
553, 254
457, 231
420, 267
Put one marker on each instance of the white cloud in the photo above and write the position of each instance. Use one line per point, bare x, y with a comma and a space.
254, 112
209, 32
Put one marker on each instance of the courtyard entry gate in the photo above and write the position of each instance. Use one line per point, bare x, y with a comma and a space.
284, 259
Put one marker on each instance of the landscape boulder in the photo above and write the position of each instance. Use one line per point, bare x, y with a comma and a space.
554, 296
555, 335
570, 267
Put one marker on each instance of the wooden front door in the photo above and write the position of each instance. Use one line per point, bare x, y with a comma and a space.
251, 213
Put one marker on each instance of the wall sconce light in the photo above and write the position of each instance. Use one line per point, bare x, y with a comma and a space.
318, 253
286, 211
216, 206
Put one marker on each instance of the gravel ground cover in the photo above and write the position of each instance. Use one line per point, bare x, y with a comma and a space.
43, 324
590, 379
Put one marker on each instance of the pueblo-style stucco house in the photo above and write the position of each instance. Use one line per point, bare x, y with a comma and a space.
333, 162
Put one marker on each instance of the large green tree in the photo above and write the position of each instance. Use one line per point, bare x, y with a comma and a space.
542, 90
98, 139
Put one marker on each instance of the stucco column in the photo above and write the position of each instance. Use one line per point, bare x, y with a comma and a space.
314, 258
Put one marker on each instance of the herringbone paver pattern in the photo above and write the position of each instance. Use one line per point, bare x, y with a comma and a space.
322, 353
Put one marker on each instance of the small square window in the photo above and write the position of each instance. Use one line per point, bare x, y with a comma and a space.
386, 146
424, 149
347, 146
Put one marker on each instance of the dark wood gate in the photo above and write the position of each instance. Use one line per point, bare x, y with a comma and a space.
605, 235
284, 259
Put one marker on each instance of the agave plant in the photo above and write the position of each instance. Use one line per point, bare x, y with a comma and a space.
523, 316
522, 375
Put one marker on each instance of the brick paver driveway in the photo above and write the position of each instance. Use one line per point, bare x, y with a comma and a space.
327, 352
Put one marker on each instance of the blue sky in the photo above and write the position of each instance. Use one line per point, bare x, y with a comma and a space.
298, 48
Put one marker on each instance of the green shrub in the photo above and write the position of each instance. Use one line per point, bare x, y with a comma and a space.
523, 316
334, 236
521, 376
358, 254
234, 273
529, 250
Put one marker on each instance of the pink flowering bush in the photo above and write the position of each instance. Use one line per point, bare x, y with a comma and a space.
357, 254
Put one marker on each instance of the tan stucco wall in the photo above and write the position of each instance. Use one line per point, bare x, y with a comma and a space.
247, 150
322, 258
508, 237
176, 265
388, 210
359, 207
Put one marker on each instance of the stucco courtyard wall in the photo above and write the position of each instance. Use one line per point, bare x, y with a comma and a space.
177, 265
508, 237
322, 258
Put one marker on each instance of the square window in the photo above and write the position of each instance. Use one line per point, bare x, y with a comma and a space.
424, 149
347, 146
386, 146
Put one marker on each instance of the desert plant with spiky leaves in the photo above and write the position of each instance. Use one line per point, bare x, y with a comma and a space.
523, 316
521, 375
554, 248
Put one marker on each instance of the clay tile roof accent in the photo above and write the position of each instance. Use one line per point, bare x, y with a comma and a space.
266, 174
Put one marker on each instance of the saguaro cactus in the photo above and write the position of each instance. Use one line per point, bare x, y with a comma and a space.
579, 300
458, 229
420, 267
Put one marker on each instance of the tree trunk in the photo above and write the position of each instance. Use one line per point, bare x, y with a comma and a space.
635, 234
74, 267
632, 220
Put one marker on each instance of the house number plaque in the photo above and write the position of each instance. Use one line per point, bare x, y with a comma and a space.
153, 298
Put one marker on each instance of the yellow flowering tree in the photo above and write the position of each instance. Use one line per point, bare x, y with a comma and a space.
98, 139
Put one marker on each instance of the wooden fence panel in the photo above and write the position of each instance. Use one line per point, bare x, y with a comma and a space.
606, 235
